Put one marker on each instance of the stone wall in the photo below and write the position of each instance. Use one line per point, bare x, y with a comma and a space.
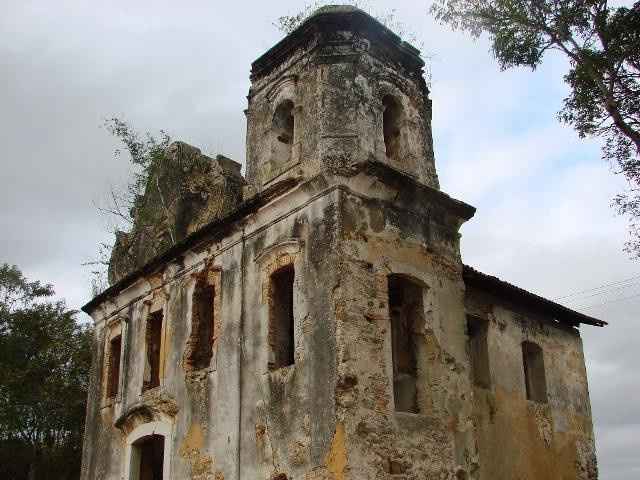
185, 191
336, 73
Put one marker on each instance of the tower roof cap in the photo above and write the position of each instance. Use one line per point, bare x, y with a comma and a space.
332, 18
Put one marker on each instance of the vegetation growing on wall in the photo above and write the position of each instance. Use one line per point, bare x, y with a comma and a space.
288, 23
147, 154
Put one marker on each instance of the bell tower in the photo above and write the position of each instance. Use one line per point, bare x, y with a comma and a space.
337, 92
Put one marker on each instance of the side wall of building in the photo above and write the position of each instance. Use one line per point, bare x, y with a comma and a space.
236, 417
288, 413
524, 438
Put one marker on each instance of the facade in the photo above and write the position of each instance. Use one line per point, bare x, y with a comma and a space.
315, 320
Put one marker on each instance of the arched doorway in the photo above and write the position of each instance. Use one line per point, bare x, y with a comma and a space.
148, 452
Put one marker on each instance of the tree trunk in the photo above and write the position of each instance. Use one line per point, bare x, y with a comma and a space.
623, 126
32, 470
33, 466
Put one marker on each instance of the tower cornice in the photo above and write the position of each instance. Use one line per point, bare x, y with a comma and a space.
326, 21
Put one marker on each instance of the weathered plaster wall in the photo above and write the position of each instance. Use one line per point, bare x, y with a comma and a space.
202, 407
523, 439
288, 414
331, 415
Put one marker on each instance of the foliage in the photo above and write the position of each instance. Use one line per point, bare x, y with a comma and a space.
44, 372
288, 23
602, 44
146, 155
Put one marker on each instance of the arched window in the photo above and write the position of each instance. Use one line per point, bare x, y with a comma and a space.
113, 380
284, 123
478, 347
281, 322
283, 131
391, 126
203, 328
534, 374
153, 343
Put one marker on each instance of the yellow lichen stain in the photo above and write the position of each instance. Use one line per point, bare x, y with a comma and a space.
201, 465
519, 442
193, 440
337, 457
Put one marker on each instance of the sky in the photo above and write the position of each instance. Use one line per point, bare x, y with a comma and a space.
543, 195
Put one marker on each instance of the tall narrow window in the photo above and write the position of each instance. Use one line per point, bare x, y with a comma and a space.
391, 125
281, 341
534, 375
477, 329
283, 130
153, 343
113, 379
200, 344
284, 123
151, 455
405, 310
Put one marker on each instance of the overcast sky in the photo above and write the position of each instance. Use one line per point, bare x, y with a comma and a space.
543, 195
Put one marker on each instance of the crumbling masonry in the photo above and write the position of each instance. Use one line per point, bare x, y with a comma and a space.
315, 321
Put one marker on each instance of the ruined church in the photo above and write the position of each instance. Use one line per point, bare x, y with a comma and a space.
313, 319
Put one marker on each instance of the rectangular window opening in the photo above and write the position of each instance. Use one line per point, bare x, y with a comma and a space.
113, 379
534, 374
153, 342
281, 324
151, 450
406, 311
477, 329
200, 344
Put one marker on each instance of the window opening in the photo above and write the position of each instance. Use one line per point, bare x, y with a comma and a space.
281, 336
405, 310
113, 378
151, 450
153, 343
283, 128
534, 374
391, 126
284, 123
477, 329
200, 345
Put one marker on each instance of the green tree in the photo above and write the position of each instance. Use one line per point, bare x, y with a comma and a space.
146, 154
602, 44
45, 357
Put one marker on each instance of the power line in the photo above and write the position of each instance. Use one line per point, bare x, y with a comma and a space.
610, 301
606, 291
599, 287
